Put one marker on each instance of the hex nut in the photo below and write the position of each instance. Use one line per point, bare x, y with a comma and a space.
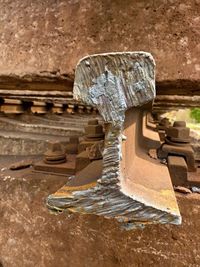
94, 129
178, 132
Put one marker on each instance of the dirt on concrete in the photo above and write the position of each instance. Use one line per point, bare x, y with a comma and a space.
48, 38
31, 236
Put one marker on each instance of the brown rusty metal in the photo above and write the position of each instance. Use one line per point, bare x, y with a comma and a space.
89, 109
40, 104
178, 170
94, 130
12, 106
57, 108
65, 169
129, 186
177, 142
54, 154
178, 133
93, 134
162, 126
56, 162
72, 146
82, 160
81, 109
184, 151
39, 107
70, 109
177, 101
90, 148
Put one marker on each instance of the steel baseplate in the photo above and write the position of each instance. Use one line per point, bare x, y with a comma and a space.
130, 186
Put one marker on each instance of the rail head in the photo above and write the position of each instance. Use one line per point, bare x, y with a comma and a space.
115, 82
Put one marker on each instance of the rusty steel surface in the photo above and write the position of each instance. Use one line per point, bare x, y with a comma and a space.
145, 179
132, 188
177, 142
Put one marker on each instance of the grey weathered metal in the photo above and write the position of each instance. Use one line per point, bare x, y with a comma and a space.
132, 187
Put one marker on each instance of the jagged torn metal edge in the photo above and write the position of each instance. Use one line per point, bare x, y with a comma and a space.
106, 198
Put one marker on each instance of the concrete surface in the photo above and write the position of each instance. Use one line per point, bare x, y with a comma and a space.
28, 134
47, 38
31, 236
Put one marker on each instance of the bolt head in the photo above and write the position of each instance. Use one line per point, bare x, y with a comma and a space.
178, 124
94, 130
178, 132
165, 122
54, 146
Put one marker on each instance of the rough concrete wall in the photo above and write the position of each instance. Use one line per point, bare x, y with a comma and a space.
30, 236
51, 36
